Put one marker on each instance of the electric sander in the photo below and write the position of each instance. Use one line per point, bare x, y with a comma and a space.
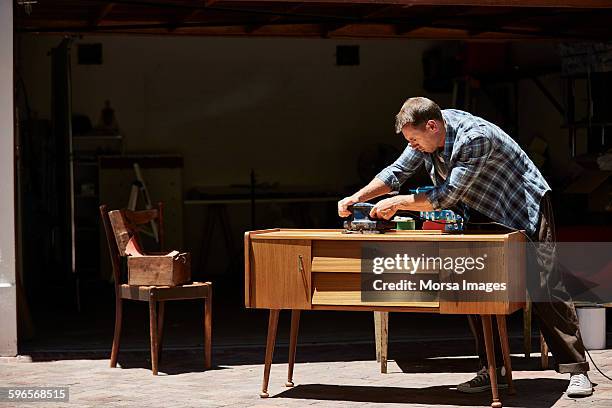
361, 222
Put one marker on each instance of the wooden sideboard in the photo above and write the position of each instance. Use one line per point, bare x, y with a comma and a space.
321, 270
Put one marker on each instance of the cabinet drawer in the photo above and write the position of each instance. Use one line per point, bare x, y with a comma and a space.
344, 289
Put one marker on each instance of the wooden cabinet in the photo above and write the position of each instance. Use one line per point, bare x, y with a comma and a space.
321, 270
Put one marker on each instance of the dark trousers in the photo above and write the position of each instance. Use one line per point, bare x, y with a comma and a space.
557, 317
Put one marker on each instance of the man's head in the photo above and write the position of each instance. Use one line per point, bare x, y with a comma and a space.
420, 121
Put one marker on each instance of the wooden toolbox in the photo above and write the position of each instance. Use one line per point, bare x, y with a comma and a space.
170, 269
148, 268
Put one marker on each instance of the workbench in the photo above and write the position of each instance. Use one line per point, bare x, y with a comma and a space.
300, 269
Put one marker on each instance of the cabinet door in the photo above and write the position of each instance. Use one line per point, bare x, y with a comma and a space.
280, 274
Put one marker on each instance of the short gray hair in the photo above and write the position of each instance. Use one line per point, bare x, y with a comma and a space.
417, 111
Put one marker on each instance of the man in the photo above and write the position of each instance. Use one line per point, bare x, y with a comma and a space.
474, 163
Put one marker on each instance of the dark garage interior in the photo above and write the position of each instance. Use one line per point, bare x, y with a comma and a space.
248, 115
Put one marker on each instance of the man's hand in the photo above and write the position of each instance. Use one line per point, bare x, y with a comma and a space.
344, 204
386, 208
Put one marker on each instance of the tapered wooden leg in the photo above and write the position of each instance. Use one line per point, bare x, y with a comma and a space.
503, 337
527, 328
543, 352
272, 325
488, 337
160, 329
208, 330
117, 335
381, 330
295, 325
153, 333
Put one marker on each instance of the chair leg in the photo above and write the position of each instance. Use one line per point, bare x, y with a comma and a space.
208, 330
503, 337
543, 352
117, 335
160, 329
295, 324
272, 326
153, 333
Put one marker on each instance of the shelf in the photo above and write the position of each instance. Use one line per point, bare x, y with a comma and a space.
97, 137
582, 124
85, 162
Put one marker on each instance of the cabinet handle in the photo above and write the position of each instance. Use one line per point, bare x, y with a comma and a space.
304, 278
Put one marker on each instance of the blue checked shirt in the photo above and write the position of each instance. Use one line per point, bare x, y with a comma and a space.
481, 167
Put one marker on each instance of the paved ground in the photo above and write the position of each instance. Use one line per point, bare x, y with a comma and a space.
423, 375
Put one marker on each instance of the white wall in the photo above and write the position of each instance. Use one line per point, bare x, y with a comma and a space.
8, 312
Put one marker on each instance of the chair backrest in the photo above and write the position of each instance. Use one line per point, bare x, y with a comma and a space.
122, 232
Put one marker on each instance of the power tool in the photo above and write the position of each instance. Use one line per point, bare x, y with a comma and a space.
361, 222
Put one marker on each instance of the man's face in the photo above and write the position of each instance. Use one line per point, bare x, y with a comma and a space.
424, 138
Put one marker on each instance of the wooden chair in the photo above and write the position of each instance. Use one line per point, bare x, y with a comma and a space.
156, 296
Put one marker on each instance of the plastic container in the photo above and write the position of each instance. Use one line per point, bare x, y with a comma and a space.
592, 321
404, 223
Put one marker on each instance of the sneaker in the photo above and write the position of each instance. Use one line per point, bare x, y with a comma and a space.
482, 382
579, 386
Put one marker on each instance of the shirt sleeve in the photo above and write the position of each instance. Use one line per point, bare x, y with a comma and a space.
471, 159
399, 171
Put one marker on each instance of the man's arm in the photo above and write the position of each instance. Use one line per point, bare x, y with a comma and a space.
388, 180
388, 207
375, 188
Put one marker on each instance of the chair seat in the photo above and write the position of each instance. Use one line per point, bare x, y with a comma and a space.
195, 290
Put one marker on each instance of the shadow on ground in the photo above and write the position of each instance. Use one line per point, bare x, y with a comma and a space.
433, 355
530, 392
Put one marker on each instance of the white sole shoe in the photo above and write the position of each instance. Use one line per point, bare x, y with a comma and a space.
580, 386
579, 392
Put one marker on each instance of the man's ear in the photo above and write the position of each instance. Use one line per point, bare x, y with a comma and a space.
432, 125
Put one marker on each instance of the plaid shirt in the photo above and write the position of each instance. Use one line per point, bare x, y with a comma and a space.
485, 169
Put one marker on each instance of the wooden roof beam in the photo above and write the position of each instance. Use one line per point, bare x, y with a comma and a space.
328, 28
401, 29
190, 14
177, 21
359, 31
505, 19
583, 4
101, 14
383, 9
273, 19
